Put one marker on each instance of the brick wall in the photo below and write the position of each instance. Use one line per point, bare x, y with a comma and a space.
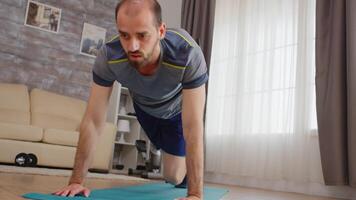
47, 60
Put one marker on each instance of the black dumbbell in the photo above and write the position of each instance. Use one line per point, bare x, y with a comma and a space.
32, 162
21, 159
26, 160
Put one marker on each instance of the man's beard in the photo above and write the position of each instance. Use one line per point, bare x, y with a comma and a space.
139, 63
146, 57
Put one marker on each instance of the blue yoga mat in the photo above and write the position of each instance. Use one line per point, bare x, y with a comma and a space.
151, 191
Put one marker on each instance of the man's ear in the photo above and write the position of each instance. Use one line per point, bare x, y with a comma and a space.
162, 31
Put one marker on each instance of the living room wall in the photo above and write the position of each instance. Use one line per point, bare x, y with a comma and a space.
171, 12
51, 61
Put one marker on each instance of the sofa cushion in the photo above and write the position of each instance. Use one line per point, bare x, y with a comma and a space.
47, 154
61, 137
14, 103
50, 110
20, 132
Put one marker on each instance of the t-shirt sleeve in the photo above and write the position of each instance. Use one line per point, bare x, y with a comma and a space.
195, 73
102, 75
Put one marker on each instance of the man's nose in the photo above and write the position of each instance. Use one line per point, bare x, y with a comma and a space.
134, 45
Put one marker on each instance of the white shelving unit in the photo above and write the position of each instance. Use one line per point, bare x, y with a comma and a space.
125, 153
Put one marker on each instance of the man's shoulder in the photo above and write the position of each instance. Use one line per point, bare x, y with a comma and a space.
178, 45
180, 38
114, 50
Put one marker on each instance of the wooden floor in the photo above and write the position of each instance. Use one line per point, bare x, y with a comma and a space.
12, 186
242, 193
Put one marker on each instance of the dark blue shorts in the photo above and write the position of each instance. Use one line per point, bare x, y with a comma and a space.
165, 134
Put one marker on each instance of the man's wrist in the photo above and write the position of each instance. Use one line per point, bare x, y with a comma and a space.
195, 188
75, 181
197, 195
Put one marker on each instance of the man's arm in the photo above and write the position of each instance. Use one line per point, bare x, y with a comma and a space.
192, 116
91, 127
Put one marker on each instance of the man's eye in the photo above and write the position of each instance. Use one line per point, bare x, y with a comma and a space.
124, 36
142, 36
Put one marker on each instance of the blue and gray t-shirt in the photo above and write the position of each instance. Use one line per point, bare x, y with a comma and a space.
181, 66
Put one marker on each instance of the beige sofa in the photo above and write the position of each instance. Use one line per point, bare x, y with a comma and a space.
46, 124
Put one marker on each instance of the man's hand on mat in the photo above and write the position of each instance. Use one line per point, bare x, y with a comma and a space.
72, 190
189, 198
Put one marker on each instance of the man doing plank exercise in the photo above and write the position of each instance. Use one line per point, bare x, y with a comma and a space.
165, 72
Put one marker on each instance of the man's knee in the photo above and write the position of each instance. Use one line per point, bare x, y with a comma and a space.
174, 178
174, 168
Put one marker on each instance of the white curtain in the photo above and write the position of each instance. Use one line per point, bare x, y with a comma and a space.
261, 122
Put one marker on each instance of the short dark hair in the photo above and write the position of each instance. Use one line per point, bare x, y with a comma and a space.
155, 8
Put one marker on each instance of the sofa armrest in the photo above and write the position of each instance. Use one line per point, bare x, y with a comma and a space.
104, 149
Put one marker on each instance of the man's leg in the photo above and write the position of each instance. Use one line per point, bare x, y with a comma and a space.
174, 168
167, 134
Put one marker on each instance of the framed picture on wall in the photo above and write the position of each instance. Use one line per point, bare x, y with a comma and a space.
42, 16
93, 37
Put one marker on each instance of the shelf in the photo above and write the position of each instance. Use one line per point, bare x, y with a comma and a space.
125, 143
116, 171
126, 152
126, 116
125, 91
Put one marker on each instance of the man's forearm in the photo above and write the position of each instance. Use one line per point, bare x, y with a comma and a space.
84, 155
195, 160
